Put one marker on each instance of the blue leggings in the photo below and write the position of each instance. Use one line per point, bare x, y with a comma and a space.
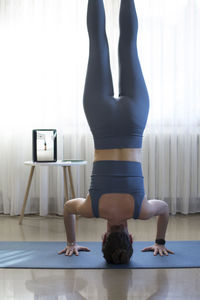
115, 122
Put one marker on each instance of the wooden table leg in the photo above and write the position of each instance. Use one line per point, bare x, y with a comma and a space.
71, 182
26, 194
65, 183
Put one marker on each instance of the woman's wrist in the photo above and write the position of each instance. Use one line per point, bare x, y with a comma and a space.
71, 243
160, 241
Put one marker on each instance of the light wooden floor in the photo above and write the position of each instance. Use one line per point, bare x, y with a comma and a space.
98, 284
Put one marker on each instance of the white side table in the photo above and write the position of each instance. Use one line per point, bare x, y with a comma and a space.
59, 163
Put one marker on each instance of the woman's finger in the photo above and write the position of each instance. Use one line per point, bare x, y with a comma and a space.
169, 251
161, 252
155, 252
71, 252
62, 251
147, 249
83, 249
76, 251
67, 252
165, 252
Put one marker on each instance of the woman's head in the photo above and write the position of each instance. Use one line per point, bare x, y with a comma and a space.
117, 247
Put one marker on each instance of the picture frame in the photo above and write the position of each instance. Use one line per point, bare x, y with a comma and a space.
44, 143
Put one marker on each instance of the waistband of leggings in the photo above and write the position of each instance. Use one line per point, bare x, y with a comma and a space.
117, 168
110, 142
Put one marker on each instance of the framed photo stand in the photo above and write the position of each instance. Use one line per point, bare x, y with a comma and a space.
44, 145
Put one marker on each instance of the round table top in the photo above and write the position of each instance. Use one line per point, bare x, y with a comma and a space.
62, 163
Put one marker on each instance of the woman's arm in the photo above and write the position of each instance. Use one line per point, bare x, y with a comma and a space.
70, 210
162, 221
74, 207
78, 206
158, 208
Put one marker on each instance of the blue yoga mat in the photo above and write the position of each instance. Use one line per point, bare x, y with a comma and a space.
39, 255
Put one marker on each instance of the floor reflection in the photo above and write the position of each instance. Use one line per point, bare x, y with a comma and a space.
123, 284
52, 287
162, 285
117, 283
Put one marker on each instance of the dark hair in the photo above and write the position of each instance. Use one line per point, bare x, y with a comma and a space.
117, 248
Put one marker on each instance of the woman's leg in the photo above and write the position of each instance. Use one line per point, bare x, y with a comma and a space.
131, 83
98, 80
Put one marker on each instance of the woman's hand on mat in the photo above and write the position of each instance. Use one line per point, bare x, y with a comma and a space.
70, 250
158, 249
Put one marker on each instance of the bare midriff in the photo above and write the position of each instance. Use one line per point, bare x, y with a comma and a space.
125, 154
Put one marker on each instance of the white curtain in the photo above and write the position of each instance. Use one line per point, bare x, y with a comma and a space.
43, 61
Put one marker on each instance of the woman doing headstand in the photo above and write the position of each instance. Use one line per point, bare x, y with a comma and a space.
117, 124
